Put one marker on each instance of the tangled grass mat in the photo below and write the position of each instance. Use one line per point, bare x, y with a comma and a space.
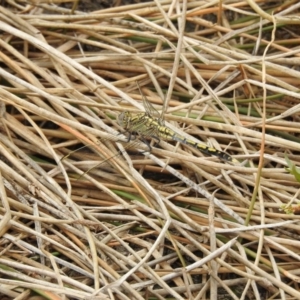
85, 214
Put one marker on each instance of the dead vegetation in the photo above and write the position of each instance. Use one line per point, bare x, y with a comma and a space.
172, 224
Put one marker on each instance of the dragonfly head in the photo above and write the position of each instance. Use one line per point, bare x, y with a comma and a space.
124, 119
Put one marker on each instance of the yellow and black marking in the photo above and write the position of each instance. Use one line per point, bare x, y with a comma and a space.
145, 125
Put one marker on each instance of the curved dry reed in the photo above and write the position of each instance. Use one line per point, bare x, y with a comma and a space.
170, 224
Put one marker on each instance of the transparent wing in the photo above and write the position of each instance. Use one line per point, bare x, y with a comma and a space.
150, 110
77, 154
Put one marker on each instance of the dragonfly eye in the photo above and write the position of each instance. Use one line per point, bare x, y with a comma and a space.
123, 119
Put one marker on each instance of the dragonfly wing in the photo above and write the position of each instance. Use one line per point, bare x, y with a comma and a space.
150, 110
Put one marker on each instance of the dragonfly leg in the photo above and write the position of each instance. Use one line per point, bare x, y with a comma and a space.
129, 135
142, 139
157, 140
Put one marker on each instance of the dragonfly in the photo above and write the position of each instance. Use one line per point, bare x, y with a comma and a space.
151, 124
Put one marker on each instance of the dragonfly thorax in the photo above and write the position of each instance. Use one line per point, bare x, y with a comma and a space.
137, 123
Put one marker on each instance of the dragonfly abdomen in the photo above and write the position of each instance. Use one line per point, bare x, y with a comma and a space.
169, 134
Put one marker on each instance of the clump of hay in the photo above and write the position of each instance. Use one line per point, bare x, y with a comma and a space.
93, 224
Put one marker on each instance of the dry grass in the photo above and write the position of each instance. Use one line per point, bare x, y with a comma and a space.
172, 224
